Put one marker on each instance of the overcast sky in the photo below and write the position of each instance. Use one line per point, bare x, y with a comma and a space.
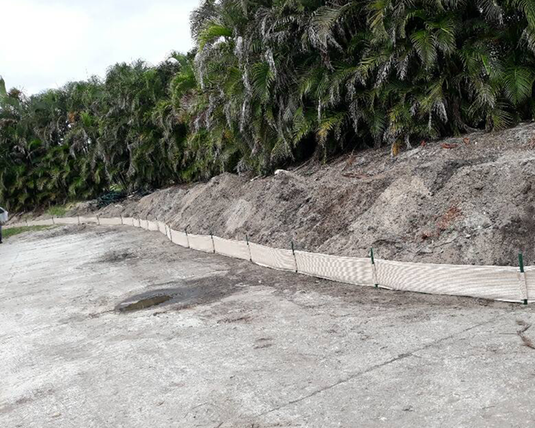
46, 43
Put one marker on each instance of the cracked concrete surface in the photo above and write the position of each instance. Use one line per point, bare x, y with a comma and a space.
237, 345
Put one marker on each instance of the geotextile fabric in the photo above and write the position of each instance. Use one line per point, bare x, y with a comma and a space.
488, 282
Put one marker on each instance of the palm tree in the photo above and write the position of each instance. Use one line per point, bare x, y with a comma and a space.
271, 82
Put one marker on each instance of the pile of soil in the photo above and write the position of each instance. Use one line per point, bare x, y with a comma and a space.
462, 200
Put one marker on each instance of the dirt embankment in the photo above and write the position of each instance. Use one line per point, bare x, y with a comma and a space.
451, 201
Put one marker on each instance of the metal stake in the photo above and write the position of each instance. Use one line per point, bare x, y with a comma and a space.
248, 247
374, 268
213, 244
521, 264
186, 232
295, 258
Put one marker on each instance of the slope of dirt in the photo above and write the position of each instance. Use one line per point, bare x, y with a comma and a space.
452, 201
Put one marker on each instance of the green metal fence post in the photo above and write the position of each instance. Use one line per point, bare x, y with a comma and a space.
295, 258
249, 247
213, 244
521, 265
374, 268
187, 237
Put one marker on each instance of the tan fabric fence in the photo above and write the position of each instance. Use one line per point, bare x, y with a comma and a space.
232, 248
357, 271
89, 220
179, 238
275, 258
530, 281
109, 221
488, 282
152, 226
201, 243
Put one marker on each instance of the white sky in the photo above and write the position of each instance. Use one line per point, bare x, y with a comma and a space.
46, 43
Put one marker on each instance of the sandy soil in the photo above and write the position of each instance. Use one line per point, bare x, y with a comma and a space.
236, 345
472, 203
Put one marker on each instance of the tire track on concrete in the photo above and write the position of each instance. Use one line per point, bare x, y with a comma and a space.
378, 366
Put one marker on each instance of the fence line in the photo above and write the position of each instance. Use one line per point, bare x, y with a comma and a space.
489, 282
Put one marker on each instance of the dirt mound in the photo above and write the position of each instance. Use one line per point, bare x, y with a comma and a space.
468, 200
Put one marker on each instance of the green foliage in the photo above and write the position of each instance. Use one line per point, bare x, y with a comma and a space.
57, 211
12, 231
340, 74
269, 82
75, 143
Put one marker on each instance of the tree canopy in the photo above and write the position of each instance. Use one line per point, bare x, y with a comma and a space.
271, 82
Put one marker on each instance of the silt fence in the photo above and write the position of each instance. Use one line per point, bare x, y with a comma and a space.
511, 284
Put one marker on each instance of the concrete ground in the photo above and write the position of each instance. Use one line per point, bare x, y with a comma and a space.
235, 345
